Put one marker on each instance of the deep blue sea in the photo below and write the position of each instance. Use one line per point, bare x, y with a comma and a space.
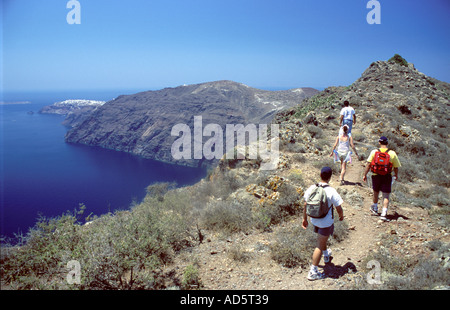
41, 174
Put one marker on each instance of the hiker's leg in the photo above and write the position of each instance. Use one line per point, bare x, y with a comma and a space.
385, 204
375, 196
321, 246
385, 200
343, 169
386, 190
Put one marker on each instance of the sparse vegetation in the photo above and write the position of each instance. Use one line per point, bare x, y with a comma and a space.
228, 217
320, 101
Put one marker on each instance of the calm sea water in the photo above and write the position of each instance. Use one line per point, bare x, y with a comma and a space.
41, 174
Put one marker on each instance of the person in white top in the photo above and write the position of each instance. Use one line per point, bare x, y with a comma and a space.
348, 117
324, 227
343, 142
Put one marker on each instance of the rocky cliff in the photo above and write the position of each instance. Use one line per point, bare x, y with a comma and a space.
141, 124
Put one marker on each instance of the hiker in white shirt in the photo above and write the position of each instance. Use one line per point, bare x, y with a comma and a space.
348, 117
324, 227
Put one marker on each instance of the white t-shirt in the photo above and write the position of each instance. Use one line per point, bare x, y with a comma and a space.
348, 113
333, 198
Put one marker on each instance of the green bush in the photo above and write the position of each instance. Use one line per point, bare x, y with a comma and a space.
273, 212
293, 247
294, 147
398, 60
228, 217
239, 254
191, 279
327, 162
314, 131
320, 101
158, 190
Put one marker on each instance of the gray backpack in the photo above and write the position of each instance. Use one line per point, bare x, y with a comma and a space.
317, 203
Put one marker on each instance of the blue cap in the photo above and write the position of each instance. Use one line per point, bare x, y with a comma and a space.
383, 140
326, 173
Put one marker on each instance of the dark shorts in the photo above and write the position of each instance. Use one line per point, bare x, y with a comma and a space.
327, 231
382, 183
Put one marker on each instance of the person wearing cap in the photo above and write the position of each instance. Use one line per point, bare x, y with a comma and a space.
324, 227
343, 143
382, 183
348, 117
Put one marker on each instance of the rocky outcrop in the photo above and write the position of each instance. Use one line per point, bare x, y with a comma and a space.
141, 124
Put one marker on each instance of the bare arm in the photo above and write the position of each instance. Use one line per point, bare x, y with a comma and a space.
366, 171
340, 211
396, 173
334, 146
305, 218
353, 146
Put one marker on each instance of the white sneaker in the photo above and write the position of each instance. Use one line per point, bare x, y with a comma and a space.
383, 216
327, 256
374, 209
314, 274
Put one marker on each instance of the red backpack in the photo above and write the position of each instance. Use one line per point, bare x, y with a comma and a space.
381, 163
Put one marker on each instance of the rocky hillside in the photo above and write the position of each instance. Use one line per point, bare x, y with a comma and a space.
141, 123
393, 99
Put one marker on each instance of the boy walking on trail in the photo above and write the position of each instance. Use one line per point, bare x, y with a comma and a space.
382, 174
348, 117
324, 227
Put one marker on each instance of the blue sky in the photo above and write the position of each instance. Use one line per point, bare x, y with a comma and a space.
152, 44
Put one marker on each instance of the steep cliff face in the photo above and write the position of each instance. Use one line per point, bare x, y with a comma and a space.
141, 124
